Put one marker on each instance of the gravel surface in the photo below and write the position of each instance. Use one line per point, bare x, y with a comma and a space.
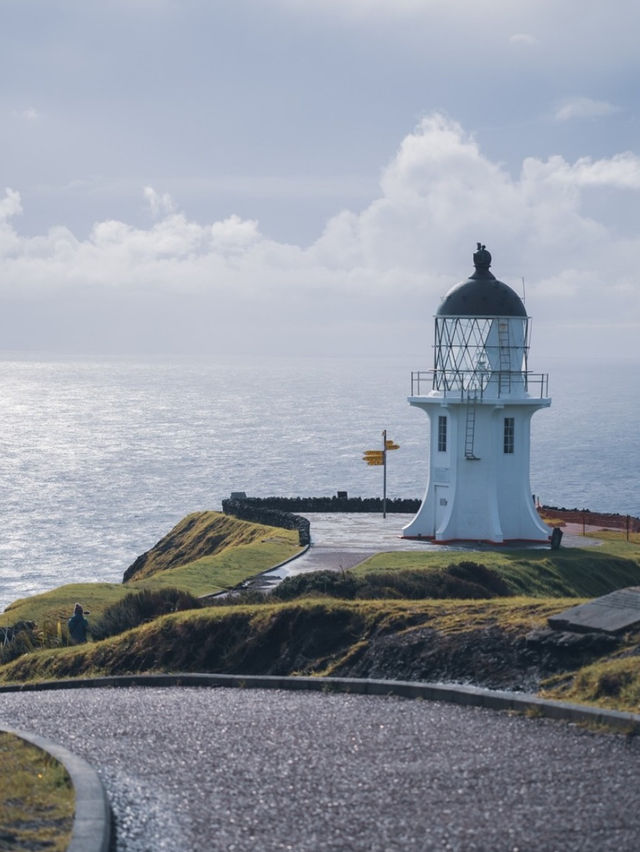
231, 769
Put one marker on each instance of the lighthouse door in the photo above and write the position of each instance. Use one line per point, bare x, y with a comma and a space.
442, 503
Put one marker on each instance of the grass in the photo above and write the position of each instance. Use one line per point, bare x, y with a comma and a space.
310, 635
36, 798
205, 534
205, 575
462, 580
226, 569
56, 605
616, 537
323, 635
611, 683
568, 572
139, 608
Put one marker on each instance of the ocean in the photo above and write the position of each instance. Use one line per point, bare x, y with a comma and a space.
100, 458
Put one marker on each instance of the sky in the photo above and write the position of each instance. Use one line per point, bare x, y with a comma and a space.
310, 177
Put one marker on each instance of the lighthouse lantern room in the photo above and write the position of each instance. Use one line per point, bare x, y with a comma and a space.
479, 397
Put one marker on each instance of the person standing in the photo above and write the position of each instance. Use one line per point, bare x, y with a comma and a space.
78, 625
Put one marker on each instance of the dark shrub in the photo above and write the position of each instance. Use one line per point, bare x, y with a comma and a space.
138, 607
611, 684
336, 584
464, 580
473, 572
18, 639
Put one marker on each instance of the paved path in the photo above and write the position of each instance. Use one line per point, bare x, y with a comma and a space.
342, 540
223, 769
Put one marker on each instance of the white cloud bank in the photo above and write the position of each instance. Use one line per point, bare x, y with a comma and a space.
584, 108
372, 280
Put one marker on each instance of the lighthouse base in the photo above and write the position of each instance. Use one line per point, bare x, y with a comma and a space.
479, 488
507, 542
473, 518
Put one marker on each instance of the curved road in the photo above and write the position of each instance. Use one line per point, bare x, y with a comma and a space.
232, 769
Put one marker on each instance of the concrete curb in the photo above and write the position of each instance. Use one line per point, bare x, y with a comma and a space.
470, 696
92, 818
286, 561
256, 576
275, 567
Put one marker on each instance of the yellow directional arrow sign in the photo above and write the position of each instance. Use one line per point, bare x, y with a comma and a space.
390, 445
373, 457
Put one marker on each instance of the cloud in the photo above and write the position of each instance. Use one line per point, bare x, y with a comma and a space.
622, 171
372, 275
363, 8
158, 204
584, 108
235, 234
586, 40
10, 205
29, 115
523, 38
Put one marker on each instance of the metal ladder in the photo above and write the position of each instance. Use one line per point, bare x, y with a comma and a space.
504, 354
470, 427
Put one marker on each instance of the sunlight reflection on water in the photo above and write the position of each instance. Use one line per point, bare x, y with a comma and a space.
98, 460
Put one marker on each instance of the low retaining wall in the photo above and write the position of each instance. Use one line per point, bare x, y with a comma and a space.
246, 510
337, 503
280, 511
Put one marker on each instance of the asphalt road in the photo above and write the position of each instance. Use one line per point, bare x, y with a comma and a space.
232, 769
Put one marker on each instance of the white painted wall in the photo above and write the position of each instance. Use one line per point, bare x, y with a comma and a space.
487, 499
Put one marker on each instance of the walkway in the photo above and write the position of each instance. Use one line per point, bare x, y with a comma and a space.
342, 540
224, 769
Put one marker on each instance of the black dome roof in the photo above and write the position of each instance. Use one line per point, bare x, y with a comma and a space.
482, 295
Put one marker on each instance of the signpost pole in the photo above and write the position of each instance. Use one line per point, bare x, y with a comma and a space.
375, 458
384, 473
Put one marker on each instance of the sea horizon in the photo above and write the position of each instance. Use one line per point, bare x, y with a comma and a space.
101, 456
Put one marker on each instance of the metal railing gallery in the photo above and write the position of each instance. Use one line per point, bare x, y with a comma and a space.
493, 384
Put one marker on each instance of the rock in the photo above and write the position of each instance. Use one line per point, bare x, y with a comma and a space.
612, 613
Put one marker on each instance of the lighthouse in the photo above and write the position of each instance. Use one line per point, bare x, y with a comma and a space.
480, 398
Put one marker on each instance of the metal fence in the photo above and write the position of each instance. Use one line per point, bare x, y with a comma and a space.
480, 383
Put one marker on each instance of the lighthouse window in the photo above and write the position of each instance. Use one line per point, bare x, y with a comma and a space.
442, 434
508, 434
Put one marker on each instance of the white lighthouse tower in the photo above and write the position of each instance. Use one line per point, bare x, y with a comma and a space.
479, 398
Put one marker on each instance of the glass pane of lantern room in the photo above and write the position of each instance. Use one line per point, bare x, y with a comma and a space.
460, 343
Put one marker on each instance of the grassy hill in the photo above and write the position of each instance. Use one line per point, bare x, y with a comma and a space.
207, 552
202, 535
306, 636
567, 572
478, 617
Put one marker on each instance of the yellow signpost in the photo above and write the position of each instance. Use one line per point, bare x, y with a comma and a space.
377, 458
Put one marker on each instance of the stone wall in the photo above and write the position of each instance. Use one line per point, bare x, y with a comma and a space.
337, 503
248, 510
279, 511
